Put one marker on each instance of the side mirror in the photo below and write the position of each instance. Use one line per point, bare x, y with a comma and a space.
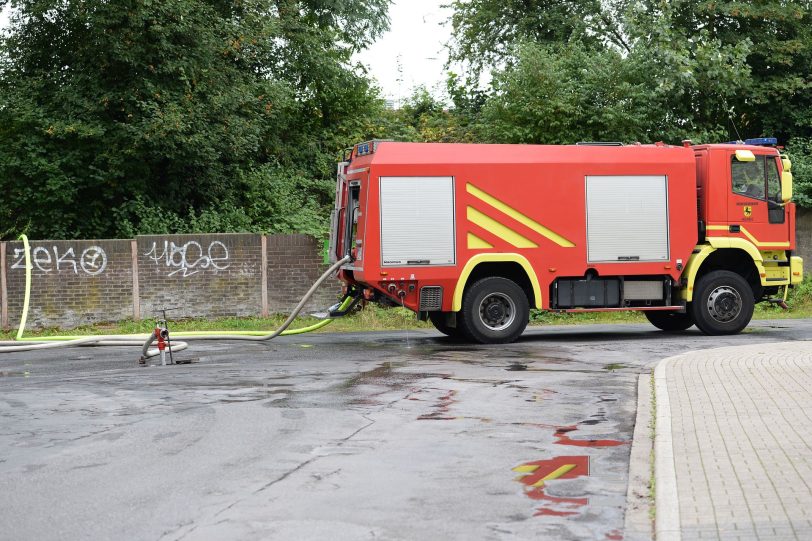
786, 180
745, 156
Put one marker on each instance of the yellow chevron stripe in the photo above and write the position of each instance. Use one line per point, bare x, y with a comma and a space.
554, 475
505, 233
475, 242
757, 242
518, 216
747, 234
526, 468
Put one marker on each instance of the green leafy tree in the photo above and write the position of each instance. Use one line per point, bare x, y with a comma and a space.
139, 115
487, 33
772, 38
566, 94
800, 152
708, 65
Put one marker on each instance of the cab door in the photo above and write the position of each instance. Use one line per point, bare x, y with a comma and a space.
756, 211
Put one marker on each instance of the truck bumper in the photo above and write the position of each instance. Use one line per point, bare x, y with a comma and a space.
796, 270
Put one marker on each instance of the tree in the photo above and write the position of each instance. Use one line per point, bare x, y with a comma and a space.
487, 33
766, 45
111, 112
800, 152
709, 64
565, 94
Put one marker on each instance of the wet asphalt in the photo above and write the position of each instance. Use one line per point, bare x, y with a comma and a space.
392, 435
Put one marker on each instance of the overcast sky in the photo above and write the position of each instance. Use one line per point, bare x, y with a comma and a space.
411, 54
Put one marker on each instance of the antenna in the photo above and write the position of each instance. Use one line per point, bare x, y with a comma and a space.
730, 117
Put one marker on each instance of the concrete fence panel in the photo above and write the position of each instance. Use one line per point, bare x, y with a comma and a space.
200, 275
91, 281
74, 282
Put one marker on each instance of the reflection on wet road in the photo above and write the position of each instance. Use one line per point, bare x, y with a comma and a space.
334, 437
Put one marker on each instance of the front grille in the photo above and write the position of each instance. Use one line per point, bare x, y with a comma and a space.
431, 299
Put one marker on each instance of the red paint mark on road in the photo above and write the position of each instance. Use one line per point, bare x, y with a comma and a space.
562, 438
614, 535
536, 474
441, 408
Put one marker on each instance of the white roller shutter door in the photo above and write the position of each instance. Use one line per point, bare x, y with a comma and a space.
627, 218
417, 221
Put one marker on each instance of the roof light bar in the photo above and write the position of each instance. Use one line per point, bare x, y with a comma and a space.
758, 141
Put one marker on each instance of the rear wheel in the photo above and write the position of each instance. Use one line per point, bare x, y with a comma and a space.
723, 303
440, 322
494, 311
669, 321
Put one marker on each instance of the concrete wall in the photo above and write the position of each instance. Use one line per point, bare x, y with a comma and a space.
90, 281
201, 275
73, 282
803, 238
294, 263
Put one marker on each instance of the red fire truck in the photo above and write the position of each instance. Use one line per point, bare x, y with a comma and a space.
473, 236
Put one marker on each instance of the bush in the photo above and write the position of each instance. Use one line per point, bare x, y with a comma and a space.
800, 152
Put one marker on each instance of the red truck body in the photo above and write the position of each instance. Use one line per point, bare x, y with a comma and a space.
581, 227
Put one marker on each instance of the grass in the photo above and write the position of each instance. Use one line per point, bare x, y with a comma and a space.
377, 318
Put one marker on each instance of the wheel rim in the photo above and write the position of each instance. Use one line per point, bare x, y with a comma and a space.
724, 304
497, 311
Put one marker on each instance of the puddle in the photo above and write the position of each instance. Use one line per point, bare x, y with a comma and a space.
535, 476
563, 438
614, 366
516, 367
544, 394
13, 374
386, 374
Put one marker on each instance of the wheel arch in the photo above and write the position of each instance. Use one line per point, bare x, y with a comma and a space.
514, 267
741, 258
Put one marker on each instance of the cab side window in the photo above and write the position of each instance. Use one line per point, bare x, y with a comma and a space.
773, 181
760, 179
748, 177
775, 208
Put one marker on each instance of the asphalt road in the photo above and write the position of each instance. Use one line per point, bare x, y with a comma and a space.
334, 436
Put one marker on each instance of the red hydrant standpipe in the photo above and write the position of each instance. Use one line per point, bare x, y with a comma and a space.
161, 334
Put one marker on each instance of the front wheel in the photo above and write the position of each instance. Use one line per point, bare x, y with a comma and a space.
723, 303
669, 321
494, 311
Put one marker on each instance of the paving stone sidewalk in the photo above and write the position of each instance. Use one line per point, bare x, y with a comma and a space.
733, 444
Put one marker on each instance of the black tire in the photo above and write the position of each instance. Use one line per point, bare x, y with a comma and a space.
438, 319
669, 321
494, 311
723, 303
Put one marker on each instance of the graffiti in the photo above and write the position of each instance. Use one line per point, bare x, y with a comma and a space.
92, 261
189, 258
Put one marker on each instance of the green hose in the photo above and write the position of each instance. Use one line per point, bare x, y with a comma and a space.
188, 334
